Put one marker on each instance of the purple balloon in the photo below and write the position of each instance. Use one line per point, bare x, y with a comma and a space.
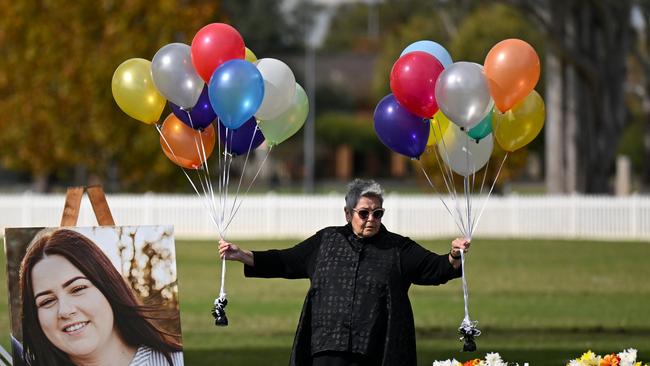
202, 113
238, 140
399, 129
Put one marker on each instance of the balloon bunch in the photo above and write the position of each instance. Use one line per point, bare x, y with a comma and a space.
460, 108
221, 96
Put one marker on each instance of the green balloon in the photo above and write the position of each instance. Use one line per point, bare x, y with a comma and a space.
278, 129
483, 128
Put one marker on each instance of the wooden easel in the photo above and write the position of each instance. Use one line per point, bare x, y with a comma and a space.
97, 200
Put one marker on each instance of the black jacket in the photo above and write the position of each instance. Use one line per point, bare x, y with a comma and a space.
358, 299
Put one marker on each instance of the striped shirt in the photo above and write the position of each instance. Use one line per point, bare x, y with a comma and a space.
146, 356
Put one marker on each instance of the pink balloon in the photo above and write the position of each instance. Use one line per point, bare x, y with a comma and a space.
213, 45
413, 82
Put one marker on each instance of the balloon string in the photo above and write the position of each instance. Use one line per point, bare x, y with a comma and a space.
205, 178
480, 192
212, 217
220, 169
491, 188
222, 291
443, 171
241, 177
250, 185
453, 188
226, 178
451, 173
466, 187
440, 197
226, 182
449, 181
465, 291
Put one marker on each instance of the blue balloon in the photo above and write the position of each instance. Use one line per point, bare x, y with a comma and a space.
239, 141
236, 90
399, 129
201, 114
432, 48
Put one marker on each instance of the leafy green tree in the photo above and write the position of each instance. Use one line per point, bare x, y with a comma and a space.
586, 65
57, 61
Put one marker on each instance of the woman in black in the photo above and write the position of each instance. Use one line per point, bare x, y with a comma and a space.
357, 310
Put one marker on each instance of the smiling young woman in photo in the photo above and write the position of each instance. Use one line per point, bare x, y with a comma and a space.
78, 310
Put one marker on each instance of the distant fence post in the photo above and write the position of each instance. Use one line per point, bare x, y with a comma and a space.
148, 209
26, 212
634, 216
512, 214
573, 218
271, 214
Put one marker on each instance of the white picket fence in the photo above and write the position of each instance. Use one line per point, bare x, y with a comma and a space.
274, 216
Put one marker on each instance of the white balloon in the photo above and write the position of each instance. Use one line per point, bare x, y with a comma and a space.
279, 88
463, 94
463, 154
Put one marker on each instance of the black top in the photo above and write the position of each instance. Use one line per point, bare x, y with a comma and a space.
358, 298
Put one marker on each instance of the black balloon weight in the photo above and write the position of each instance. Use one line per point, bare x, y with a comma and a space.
468, 331
219, 312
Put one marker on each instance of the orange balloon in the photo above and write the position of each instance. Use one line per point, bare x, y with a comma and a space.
182, 144
512, 67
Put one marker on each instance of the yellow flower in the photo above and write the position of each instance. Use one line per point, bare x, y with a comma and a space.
590, 358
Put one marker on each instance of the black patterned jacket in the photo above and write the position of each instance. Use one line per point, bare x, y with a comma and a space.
358, 299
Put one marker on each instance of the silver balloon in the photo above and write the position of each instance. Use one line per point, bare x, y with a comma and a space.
463, 94
174, 75
463, 154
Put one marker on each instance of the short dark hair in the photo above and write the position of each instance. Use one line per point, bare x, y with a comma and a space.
132, 318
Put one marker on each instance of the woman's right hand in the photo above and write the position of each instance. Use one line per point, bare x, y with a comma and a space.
232, 252
229, 251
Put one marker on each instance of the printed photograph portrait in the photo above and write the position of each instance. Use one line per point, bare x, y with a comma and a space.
87, 294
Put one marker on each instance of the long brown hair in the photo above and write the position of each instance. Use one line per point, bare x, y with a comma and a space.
132, 319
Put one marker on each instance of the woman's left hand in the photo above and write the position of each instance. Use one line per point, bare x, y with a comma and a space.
456, 246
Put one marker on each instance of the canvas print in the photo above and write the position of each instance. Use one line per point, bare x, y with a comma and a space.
105, 295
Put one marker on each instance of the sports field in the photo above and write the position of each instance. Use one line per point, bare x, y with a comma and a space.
541, 302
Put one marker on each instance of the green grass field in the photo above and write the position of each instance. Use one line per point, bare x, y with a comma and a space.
541, 302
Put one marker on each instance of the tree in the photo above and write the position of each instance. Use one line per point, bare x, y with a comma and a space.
586, 68
263, 26
640, 84
56, 64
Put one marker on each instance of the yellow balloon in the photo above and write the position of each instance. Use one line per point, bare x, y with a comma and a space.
135, 92
520, 125
439, 124
250, 56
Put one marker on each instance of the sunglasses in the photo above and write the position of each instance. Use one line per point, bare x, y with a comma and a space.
365, 214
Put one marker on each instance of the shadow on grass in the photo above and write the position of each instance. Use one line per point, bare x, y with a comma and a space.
552, 332
536, 346
280, 357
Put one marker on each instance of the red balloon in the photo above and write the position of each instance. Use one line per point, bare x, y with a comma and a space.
213, 45
413, 82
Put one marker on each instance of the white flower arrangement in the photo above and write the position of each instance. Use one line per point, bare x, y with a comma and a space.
624, 358
491, 359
